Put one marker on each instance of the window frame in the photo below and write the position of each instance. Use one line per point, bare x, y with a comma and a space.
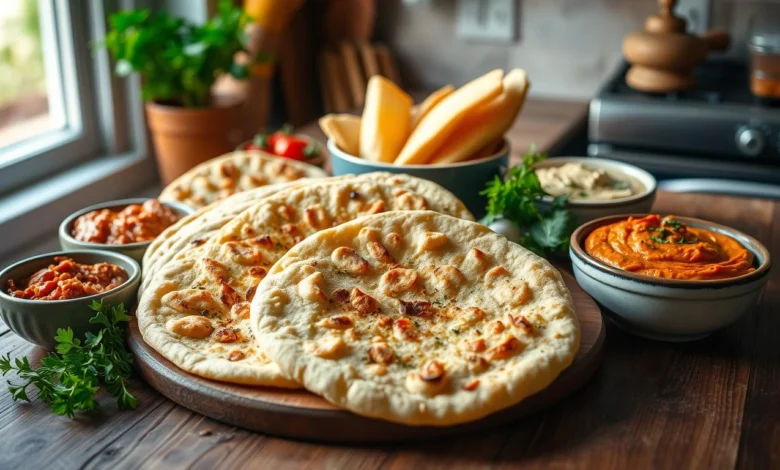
113, 158
98, 109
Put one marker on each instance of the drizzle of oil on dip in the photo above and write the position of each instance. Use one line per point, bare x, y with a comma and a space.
667, 248
581, 182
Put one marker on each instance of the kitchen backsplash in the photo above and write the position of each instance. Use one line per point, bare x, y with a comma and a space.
568, 47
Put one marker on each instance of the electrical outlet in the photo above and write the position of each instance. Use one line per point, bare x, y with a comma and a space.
487, 20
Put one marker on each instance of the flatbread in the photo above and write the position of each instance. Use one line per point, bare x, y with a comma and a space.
417, 318
195, 310
196, 229
234, 172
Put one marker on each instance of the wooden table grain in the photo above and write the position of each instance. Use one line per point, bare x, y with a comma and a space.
710, 404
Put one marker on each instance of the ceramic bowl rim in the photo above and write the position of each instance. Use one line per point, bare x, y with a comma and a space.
503, 151
624, 167
64, 230
131, 278
757, 248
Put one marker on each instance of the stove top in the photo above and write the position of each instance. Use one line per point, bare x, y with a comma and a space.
719, 123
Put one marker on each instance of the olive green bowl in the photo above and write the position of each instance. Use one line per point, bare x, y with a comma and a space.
37, 321
133, 250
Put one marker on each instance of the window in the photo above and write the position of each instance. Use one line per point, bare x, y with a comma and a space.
24, 107
59, 103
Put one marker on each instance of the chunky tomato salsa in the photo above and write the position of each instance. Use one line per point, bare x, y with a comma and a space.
68, 279
667, 248
135, 223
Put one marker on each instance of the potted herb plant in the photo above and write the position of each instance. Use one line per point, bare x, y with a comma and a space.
178, 63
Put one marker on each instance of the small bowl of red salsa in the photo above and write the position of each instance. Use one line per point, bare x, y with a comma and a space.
43, 293
127, 226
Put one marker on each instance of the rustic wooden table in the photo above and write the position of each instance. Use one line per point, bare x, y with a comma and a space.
708, 404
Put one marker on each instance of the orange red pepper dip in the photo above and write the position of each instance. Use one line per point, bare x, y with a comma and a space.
666, 248
68, 280
135, 223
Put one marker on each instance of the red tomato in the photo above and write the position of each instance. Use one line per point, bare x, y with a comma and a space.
288, 146
271, 139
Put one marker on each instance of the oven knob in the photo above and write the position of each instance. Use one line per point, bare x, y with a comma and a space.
750, 141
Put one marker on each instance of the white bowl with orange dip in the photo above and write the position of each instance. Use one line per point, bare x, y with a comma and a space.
669, 278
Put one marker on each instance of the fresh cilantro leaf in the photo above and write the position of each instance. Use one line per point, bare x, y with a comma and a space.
675, 224
18, 393
516, 198
560, 202
65, 340
552, 233
69, 379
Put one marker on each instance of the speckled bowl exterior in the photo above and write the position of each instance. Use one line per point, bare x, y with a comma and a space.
669, 309
133, 250
465, 179
37, 321
585, 211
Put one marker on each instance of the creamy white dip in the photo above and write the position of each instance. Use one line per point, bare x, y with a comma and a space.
582, 182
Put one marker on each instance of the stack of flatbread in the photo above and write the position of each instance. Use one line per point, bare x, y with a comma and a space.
377, 292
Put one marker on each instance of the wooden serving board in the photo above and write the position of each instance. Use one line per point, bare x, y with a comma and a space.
301, 415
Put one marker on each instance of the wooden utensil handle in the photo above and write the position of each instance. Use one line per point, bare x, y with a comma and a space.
667, 7
717, 40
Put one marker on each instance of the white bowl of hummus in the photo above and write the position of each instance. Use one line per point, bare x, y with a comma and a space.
596, 187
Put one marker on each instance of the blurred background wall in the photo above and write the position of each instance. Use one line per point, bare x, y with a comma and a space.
567, 46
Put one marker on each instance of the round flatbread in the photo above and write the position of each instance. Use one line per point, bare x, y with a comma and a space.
196, 229
417, 318
195, 310
234, 172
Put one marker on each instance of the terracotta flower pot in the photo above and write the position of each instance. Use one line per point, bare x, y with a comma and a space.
184, 137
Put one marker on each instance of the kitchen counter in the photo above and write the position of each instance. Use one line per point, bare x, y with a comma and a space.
707, 404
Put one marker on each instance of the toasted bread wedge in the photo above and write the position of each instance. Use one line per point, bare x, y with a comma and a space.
486, 123
437, 126
344, 129
419, 111
384, 127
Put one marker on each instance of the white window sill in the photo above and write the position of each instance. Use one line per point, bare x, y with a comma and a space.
37, 210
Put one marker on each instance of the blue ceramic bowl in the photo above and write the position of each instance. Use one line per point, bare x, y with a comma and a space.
465, 179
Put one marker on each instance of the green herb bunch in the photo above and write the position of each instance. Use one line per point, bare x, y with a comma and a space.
516, 197
69, 379
178, 62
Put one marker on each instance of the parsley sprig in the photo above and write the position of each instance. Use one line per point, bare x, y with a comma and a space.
69, 379
516, 197
676, 234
